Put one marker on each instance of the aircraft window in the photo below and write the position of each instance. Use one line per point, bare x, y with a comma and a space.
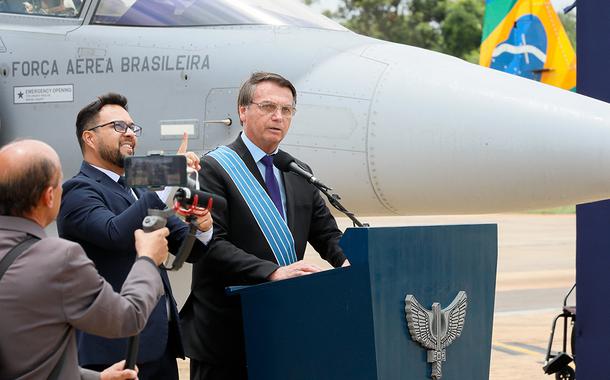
209, 12
60, 8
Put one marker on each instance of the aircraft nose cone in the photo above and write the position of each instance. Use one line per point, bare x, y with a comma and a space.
447, 136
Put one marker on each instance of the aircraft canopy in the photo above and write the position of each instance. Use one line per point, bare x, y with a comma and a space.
209, 13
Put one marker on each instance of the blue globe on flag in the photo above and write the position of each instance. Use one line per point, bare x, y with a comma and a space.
523, 53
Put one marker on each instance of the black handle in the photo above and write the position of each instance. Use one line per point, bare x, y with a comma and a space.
187, 245
132, 352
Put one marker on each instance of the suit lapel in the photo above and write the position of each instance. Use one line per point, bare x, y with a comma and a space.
240, 148
290, 191
102, 178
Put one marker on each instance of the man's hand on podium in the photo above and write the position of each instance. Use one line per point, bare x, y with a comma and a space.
299, 268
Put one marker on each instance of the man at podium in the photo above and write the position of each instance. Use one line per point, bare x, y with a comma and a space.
260, 236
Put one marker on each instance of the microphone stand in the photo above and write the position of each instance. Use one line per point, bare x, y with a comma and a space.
334, 200
288, 164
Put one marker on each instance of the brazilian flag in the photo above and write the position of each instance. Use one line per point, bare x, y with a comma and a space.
526, 38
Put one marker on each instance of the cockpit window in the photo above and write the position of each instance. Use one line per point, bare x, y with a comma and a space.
208, 13
57, 8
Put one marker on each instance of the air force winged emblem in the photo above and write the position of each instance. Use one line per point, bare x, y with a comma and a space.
436, 329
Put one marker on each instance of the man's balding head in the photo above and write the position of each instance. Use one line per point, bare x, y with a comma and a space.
28, 169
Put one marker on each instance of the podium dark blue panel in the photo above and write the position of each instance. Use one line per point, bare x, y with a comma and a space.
349, 323
310, 328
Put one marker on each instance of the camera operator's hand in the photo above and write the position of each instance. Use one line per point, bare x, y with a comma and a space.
152, 244
192, 160
116, 372
204, 219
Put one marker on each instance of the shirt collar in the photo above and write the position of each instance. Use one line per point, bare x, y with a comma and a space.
115, 177
256, 152
20, 224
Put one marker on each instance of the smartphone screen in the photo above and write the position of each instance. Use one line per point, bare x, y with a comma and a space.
155, 171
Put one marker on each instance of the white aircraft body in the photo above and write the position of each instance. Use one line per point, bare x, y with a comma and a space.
393, 128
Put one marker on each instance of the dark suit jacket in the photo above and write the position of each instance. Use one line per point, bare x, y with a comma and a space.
50, 290
97, 213
240, 255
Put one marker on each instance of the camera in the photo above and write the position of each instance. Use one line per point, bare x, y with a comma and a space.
155, 172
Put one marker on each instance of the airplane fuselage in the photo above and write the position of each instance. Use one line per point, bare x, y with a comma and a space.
394, 129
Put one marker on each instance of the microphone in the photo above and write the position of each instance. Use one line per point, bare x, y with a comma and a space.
185, 195
286, 163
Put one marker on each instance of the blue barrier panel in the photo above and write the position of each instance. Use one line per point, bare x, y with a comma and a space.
593, 219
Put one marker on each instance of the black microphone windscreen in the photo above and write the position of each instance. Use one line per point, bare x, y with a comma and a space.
185, 196
218, 203
282, 160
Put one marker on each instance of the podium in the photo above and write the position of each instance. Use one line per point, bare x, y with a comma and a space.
350, 323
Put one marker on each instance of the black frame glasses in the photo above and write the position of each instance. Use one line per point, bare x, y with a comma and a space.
121, 127
271, 108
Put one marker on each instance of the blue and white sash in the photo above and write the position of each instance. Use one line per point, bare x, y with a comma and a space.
265, 213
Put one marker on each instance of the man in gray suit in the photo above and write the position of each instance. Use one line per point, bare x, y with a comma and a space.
52, 288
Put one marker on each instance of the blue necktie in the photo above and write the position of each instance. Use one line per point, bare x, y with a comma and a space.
121, 181
272, 185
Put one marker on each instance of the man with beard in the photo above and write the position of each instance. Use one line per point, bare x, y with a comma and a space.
101, 214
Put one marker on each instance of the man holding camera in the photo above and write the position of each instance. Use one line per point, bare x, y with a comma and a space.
100, 213
243, 251
48, 286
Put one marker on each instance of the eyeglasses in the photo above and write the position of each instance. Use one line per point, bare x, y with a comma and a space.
271, 108
121, 127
